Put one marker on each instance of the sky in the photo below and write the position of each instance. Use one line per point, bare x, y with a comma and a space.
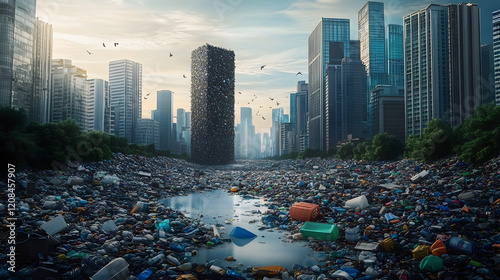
260, 32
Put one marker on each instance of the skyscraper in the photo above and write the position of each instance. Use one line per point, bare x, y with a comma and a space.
319, 52
163, 115
42, 69
487, 74
293, 107
395, 56
99, 89
69, 92
496, 54
388, 112
181, 123
301, 119
354, 99
125, 81
212, 105
371, 33
246, 134
17, 29
277, 120
442, 65
148, 132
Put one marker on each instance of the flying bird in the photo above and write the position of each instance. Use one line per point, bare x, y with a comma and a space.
262, 67
277, 103
148, 94
263, 118
298, 73
271, 98
239, 92
89, 52
104, 45
171, 55
145, 98
184, 76
116, 44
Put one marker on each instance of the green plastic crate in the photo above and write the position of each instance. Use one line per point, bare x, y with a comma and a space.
320, 231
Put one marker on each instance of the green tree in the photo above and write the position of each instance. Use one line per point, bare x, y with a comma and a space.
383, 147
478, 138
17, 146
346, 151
360, 150
436, 142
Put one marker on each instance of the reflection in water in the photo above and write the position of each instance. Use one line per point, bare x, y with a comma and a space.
268, 248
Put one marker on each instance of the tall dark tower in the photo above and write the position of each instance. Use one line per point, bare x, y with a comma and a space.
212, 105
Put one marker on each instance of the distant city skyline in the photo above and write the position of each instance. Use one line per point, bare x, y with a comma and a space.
259, 32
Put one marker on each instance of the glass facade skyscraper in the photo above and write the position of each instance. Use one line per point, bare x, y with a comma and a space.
125, 81
442, 65
163, 114
42, 69
328, 30
496, 54
395, 55
17, 29
371, 35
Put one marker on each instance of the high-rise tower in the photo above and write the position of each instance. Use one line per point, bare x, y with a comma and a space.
125, 81
212, 105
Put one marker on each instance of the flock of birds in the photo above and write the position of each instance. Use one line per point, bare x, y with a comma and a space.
184, 76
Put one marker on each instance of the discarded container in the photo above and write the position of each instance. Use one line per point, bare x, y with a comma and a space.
465, 246
117, 269
387, 244
367, 246
320, 231
55, 225
143, 206
74, 180
304, 211
268, 271
419, 176
110, 179
352, 234
466, 195
360, 202
109, 226
145, 274
431, 263
438, 248
420, 252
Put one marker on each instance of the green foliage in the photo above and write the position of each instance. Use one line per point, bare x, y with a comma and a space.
478, 138
360, 150
382, 147
435, 142
309, 153
346, 151
52, 145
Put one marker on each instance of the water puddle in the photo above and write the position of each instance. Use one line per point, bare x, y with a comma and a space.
270, 247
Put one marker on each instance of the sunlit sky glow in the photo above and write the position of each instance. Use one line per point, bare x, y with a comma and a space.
260, 32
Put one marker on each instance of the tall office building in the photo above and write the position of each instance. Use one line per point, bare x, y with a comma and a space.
293, 107
328, 30
395, 56
388, 114
42, 69
442, 65
286, 138
277, 119
125, 81
371, 34
333, 96
99, 90
69, 92
181, 123
148, 132
246, 134
301, 120
163, 115
487, 74
212, 105
17, 29
496, 54
354, 83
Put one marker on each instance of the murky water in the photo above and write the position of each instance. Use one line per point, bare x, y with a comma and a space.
271, 246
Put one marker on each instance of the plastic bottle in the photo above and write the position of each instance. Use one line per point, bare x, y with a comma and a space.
185, 267
145, 274
156, 259
217, 269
